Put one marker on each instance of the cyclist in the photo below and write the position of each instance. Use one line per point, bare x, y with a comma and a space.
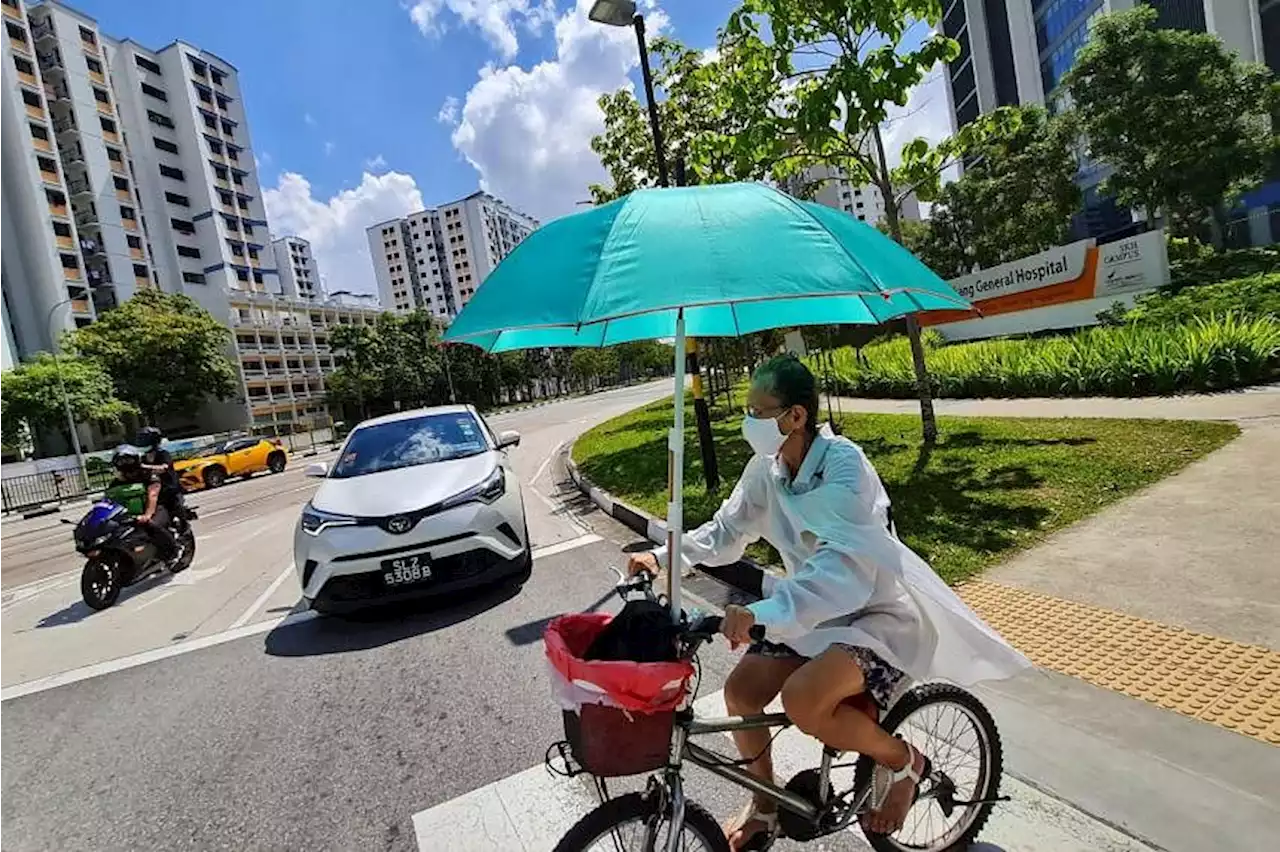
858, 611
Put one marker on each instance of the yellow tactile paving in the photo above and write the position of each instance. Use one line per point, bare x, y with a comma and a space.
1225, 683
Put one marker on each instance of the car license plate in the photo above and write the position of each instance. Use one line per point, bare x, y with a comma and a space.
406, 569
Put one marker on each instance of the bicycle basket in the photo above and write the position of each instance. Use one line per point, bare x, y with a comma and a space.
618, 714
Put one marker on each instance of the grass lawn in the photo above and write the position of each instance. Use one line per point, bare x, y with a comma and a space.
991, 486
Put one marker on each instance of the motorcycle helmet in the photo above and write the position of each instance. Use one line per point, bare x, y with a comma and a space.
149, 438
126, 459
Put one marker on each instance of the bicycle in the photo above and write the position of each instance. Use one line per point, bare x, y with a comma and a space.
662, 819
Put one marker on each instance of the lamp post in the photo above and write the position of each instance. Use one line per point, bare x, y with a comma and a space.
622, 13
62, 389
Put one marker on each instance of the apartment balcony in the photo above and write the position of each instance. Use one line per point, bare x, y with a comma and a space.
20, 46
141, 280
43, 30
72, 273
34, 111
113, 137
12, 13
29, 79
130, 225
80, 187
51, 178
117, 168
86, 218
81, 307
137, 253
42, 145
123, 194
104, 109
97, 77
64, 242
64, 125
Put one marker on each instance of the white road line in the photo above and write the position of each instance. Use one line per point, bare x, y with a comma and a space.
155, 600
571, 544
17, 594
262, 598
542, 467
110, 666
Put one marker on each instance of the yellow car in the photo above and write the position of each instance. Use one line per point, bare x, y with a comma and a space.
237, 457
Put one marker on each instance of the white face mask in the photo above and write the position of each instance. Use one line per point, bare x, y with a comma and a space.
763, 434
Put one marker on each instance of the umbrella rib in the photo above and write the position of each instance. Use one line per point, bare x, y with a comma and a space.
867, 272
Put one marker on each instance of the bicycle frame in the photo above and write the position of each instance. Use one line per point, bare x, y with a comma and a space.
681, 749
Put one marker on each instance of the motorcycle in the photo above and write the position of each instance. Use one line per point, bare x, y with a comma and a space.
119, 552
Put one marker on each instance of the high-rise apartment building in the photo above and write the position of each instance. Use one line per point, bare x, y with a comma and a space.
832, 188
1017, 52
435, 259
296, 266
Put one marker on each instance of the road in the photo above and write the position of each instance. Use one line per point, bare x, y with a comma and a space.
427, 729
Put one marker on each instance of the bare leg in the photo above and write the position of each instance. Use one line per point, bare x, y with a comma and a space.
755, 682
812, 698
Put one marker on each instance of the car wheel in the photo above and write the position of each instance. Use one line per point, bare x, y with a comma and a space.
214, 476
276, 462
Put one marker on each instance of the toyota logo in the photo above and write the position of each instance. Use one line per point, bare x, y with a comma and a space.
399, 524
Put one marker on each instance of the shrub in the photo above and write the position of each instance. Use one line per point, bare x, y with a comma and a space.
1196, 269
1258, 296
1205, 354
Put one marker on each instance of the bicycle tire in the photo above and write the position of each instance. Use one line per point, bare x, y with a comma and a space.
636, 806
918, 698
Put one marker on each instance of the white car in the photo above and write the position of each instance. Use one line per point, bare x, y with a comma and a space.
417, 503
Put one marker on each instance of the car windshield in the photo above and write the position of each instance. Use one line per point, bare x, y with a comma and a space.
412, 441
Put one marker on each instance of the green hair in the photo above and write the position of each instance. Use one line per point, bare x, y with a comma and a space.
786, 378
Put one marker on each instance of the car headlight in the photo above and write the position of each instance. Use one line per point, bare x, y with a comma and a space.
493, 487
314, 521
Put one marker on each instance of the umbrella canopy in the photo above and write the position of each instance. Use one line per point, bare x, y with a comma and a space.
735, 258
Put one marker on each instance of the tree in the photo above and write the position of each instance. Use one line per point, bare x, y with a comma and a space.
818, 89
1185, 124
694, 84
396, 362
164, 352
31, 394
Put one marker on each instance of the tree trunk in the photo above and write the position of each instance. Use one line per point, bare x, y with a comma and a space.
928, 420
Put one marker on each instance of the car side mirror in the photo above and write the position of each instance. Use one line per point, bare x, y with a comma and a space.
318, 469
508, 439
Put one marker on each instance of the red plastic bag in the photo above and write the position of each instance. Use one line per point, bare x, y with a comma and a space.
636, 687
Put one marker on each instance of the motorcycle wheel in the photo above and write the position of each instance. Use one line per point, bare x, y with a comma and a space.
187, 539
100, 583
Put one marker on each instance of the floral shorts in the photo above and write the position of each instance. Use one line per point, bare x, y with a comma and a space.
882, 679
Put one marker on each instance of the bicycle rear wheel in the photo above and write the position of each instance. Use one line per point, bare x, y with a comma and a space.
628, 824
958, 735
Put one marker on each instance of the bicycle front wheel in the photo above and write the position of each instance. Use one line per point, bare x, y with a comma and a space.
632, 823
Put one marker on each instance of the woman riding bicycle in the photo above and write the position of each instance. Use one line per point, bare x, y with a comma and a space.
858, 611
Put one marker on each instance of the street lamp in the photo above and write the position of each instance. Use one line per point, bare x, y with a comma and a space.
622, 13
62, 389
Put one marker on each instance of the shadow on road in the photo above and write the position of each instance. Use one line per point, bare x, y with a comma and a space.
78, 611
382, 626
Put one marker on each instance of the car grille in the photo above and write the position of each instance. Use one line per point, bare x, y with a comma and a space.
368, 586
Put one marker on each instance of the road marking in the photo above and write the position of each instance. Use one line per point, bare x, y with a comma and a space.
531, 810
111, 666
262, 598
542, 467
571, 544
154, 600
17, 594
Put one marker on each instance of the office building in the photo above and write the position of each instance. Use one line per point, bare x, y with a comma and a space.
435, 259
1017, 52
296, 266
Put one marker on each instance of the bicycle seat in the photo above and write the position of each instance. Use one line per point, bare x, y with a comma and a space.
864, 703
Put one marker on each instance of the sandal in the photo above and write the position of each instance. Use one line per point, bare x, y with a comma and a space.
884, 778
750, 814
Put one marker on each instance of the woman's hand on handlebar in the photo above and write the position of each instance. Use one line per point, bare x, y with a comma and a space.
737, 624
645, 561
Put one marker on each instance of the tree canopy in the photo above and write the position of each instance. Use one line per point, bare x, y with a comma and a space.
1185, 124
164, 352
31, 394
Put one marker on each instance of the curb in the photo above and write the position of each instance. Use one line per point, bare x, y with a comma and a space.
744, 575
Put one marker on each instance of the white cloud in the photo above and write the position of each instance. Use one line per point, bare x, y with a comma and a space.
528, 131
336, 226
309, 119
497, 20
448, 111
328, 147
376, 163
926, 114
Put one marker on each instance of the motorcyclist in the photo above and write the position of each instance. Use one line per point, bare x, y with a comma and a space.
158, 460
156, 516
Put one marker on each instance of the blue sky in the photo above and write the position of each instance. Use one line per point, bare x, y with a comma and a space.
363, 111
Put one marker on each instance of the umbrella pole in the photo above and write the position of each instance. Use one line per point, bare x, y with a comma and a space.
675, 478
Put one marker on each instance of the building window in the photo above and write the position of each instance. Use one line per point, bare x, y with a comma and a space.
47, 165
193, 277
158, 94
248, 229
217, 76
120, 183
182, 226
236, 248
188, 251
108, 126
146, 64
95, 67
232, 155
210, 123
140, 270
134, 242
61, 229
175, 198
257, 277
214, 145
101, 96
223, 102
199, 68
171, 172
219, 172
114, 155
241, 274
127, 213
225, 198
69, 261
228, 128
253, 254
236, 179
165, 145
87, 36
159, 118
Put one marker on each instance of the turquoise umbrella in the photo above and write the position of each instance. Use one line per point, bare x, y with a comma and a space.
708, 261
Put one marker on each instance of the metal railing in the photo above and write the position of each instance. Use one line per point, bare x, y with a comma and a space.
54, 486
